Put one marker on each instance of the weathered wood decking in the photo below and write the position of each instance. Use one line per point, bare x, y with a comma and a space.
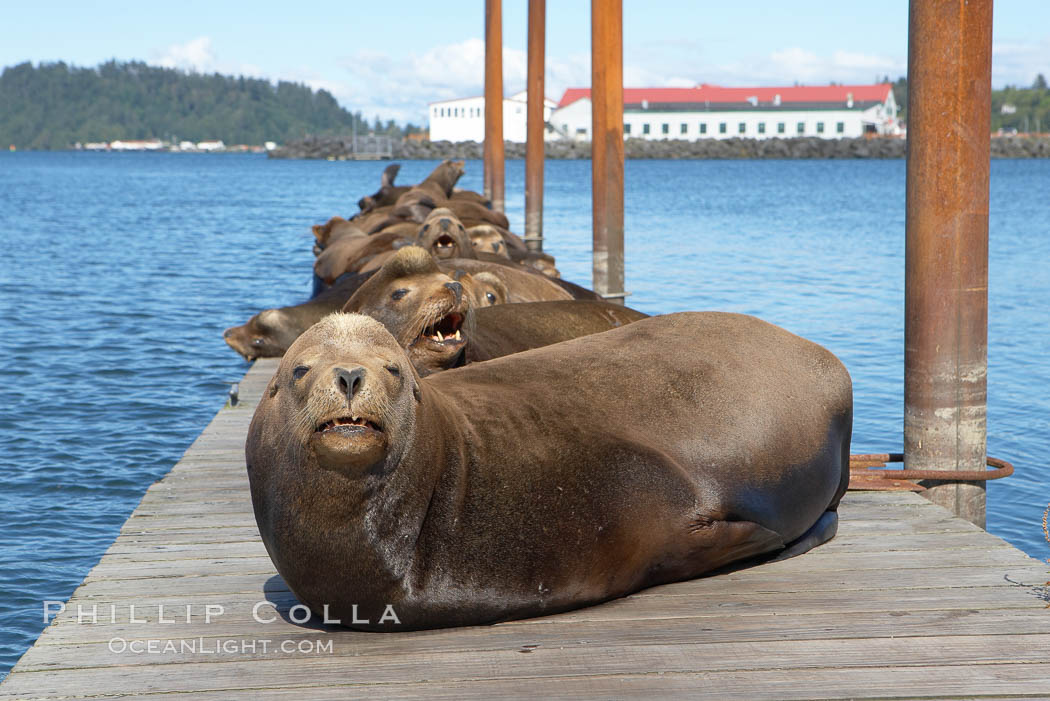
907, 601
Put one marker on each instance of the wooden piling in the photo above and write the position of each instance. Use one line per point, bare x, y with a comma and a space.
946, 258
607, 147
493, 149
535, 127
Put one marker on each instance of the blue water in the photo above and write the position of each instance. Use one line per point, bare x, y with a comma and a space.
120, 271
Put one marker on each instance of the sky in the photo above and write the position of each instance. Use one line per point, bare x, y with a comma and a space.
390, 59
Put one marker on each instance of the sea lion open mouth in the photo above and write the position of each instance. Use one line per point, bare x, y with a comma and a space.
444, 242
348, 426
445, 331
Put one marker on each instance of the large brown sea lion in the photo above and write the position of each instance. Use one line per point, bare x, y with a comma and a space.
546, 480
442, 322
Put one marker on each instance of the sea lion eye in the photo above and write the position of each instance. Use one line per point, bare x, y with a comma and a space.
490, 297
398, 294
426, 227
257, 341
299, 371
393, 370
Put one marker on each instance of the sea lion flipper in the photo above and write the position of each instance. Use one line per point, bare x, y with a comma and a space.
389, 173
820, 532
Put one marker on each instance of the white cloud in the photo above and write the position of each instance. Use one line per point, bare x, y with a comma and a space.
1019, 63
794, 64
194, 55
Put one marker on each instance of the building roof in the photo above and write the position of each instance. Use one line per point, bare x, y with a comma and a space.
706, 94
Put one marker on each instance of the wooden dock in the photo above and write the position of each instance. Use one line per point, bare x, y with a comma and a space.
907, 601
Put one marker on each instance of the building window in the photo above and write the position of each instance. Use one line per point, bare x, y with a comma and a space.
703, 127
741, 128
683, 129
581, 131
665, 128
801, 127
761, 127
820, 127
645, 128
626, 128
840, 127
780, 127
721, 127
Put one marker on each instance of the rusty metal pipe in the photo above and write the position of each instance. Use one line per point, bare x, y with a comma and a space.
534, 127
493, 148
946, 257
607, 147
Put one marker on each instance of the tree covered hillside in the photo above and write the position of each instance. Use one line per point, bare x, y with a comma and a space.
55, 105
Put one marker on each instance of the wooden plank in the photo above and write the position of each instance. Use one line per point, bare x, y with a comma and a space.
967, 658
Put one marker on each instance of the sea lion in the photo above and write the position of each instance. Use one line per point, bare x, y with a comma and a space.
269, 333
429, 312
545, 480
487, 238
523, 284
494, 333
387, 193
335, 228
349, 254
433, 192
444, 235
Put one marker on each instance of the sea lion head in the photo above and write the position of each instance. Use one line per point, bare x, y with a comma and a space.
343, 399
443, 235
486, 238
422, 307
484, 288
265, 335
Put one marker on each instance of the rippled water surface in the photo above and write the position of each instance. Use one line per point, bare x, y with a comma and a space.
120, 271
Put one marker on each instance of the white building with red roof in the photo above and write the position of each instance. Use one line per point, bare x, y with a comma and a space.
463, 119
715, 112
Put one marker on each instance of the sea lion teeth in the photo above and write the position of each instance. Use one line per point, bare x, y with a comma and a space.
440, 337
458, 337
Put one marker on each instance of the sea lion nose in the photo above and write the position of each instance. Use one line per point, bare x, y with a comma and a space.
457, 289
349, 381
495, 246
445, 222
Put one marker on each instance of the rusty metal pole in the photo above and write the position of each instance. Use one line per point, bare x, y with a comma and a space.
946, 257
607, 146
493, 149
535, 127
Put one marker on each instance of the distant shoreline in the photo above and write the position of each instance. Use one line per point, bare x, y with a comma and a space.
331, 148
807, 148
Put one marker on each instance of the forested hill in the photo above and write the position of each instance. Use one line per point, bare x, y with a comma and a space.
55, 105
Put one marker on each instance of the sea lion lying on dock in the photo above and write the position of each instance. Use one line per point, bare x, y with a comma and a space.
269, 333
351, 253
442, 322
644, 455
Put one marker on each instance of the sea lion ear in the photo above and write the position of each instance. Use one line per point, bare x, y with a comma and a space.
416, 392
